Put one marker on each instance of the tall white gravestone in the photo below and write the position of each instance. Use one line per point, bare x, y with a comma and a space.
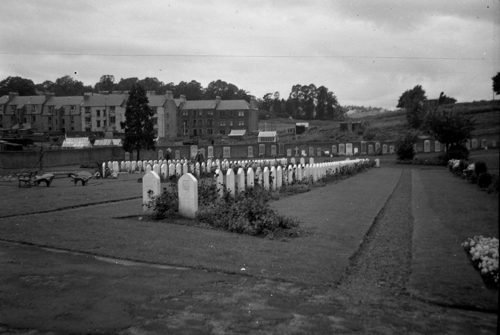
151, 185
188, 196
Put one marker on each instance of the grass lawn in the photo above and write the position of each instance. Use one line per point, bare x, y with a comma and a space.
448, 210
335, 230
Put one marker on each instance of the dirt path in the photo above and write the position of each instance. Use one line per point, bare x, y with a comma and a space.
42, 292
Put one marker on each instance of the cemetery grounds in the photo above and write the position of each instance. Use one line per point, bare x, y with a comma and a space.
381, 253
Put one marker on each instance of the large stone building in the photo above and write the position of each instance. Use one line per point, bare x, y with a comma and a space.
174, 118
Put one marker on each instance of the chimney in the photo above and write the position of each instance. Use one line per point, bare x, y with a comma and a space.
12, 95
169, 95
183, 98
49, 95
253, 102
217, 100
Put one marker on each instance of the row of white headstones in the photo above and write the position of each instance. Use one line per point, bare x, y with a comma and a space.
188, 184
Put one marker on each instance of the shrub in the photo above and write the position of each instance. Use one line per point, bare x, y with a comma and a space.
404, 146
484, 180
457, 152
480, 167
165, 205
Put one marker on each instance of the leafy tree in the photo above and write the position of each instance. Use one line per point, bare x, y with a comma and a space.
46, 86
153, 84
106, 83
67, 86
267, 102
17, 84
138, 125
449, 128
192, 90
496, 83
126, 84
444, 100
226, 91
405, 143
412, 102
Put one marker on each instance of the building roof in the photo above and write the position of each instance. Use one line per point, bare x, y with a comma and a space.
4, 99
199, 104
267, 134
233, 105
27, 100
156, 100
76, 142
104, 100
237, 132
64, 101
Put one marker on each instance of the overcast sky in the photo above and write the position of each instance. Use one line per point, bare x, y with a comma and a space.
366, 52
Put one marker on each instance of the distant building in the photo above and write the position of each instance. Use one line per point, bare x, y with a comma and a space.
174, 118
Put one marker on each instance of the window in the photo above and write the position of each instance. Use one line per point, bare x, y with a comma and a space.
195, 133
57, 122
63, 121
50, 119
210, 113
155, 121
98, 123
209, 122
104, 123
210, 131
222, 132
156, 132
184, 113
186, 131
72, 128
25, 121
194, 122
104, 113
112, 109
200, 113
241, 123
222, 123
230, 123
193, 113
98, 113
222, 113
241, 113
72, 109
13, 108
200, 132
51, 109
87, 130
72, 119
33, 109
1, 108
112, 120
87, 119
87, 110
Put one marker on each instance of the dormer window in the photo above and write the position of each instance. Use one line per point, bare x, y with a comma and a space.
51, 109
72, 109
33, 109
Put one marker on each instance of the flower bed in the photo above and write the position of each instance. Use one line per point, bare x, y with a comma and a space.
483, 253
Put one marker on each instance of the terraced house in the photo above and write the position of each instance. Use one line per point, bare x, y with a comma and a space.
174, 118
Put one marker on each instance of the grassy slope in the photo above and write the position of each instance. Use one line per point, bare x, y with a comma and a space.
386, 126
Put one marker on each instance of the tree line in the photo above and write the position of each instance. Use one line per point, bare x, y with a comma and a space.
303, 102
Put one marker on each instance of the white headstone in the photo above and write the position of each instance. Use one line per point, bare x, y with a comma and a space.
240, 180
258, 173
427, 146
266, 178
219, 181
148, 168
311, 160
299, 172
289, 179
185, 168
230, 182
348, 149
279, 177
156, 168
250, 178
302, 161
273, 177
151, 186
178, 169
103, 170
377, 163
188, 196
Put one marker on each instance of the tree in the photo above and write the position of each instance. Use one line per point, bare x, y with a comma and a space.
192, 90
106, 83
444, 100
496, 83
412, 102
126, 84
67, 86
17, 84
226, 91
404, 146
153, 84
138, 125
450, 128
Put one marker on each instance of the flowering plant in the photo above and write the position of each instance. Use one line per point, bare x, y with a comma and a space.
483, 252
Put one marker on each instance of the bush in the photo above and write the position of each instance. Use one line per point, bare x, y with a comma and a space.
165, 205
484, 180
404, 146
457, 152
480, 167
